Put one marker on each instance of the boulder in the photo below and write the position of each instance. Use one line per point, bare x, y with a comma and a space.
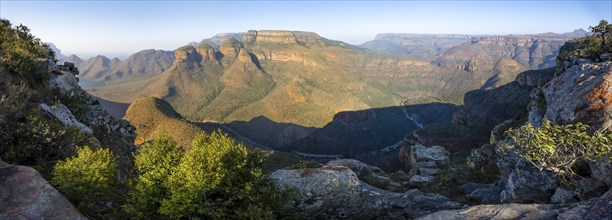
366, 173
333, 192
588, 187
602, 170
437, 154
597, 208
486, 195
563, 196
25, 194
522, 182
418, 180
503, 211
583, 94
418, 203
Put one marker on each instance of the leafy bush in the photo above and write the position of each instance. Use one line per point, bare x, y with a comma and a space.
37, 138
557, 148
215, 179
155, 162
87, 178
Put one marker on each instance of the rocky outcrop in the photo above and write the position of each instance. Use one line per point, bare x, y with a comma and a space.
186, 54
66, 84
581, 94
366, 173
425, 162
206, 51
333, 192
596, 208
63, 114
25, 194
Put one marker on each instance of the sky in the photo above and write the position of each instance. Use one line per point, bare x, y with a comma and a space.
120, 28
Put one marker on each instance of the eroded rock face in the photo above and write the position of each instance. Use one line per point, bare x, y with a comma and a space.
583, 94
25, 194
333, 192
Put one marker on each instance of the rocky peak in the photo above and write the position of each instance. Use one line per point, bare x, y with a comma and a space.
283, 37
186, 54
231, 47
206, 51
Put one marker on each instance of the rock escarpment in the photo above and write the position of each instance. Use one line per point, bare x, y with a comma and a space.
25, 194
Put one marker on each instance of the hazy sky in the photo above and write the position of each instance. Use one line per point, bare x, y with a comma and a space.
119, 28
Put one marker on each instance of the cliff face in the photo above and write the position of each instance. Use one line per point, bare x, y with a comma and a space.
284, 37
496, 60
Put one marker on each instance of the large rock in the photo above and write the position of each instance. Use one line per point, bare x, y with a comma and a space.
418, 203
596, 209
583, 94
602, 170
366, 173
25, 194
333, 192
522, 182
437, 154
503, 211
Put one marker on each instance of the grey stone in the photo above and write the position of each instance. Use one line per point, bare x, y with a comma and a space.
419, 203
602, 170
589, 187
25, 194
563, 196
522, 182
419, 180
331, 192
63, 114
485, 195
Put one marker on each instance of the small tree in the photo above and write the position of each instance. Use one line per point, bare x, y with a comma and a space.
154, 163
87, 177
602, 29
557, 148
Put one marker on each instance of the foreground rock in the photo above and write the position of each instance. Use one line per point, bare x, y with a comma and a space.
24, 194
522, 182
596, 208
581, 94
333, 192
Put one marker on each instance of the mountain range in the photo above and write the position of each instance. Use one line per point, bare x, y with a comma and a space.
289, 89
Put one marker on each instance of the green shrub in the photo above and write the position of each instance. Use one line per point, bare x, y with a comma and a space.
154, 163
87, 178
37, 138
557, 148
215, 179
